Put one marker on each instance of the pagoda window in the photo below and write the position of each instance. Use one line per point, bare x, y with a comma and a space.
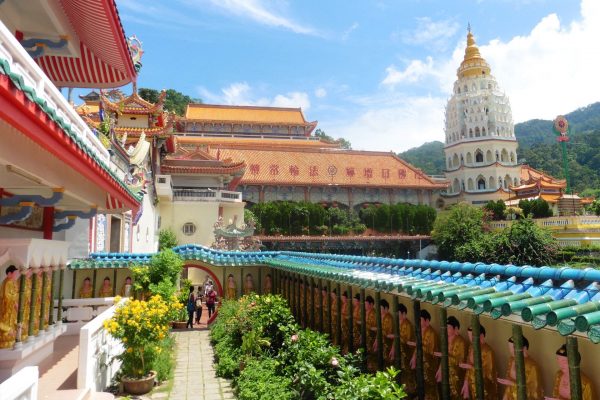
469, 158
455, 160
504, 155
456, 186
500, 181
470, 185
512, 157
507, 180
478, 156
477, 133
492, 182
481, 183
470, 132
465, 89
482, 131
488, 156
449, 163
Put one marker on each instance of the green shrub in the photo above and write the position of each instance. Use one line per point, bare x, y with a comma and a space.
259, 380
381, 386
166, 239
165, 361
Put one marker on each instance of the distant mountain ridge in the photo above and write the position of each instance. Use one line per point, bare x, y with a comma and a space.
538, 148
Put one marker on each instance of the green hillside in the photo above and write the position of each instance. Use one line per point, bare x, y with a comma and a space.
538, 147
429, 157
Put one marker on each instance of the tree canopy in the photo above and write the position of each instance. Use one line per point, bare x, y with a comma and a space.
175, 101
344, 144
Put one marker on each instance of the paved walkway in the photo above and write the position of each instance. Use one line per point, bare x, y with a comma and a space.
195, 376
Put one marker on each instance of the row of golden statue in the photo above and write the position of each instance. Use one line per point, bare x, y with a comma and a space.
323, 316
24, 304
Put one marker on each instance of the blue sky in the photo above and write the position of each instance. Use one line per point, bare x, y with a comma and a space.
377, 72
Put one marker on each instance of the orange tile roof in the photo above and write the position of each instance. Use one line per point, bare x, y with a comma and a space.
529, 173
323, 167
250, 114
237, 142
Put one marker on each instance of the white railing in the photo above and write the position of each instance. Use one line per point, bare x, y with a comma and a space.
21, 63
558, 223
97, 354
206, 195
21, 386
77, 312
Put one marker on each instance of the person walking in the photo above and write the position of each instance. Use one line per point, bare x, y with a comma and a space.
211, 299
191, 307
199, 296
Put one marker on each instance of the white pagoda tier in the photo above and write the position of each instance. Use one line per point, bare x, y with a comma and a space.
480, 145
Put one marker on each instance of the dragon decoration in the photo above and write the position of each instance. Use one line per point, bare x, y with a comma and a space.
234, 238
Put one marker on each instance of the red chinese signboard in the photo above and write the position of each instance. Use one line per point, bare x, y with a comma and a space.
385, 173
274, 169
254, 169
402, 173
368, 173
350, 171
294, 170
313, 170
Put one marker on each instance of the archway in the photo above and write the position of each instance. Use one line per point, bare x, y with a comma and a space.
217, 284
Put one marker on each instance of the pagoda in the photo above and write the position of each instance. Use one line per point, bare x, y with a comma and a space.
480, 144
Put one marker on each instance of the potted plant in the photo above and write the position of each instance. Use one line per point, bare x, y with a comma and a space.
141, 326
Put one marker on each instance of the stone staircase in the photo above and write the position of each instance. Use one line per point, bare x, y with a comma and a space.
58, 373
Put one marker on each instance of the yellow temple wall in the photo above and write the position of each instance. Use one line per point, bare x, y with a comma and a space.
202, 214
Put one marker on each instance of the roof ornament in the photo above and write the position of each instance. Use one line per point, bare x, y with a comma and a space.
468, 27
136, 51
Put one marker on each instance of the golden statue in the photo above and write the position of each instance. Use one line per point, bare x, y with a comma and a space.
248, 284
49, 306
107, 289
356, 321
457, 354
488, 364
9, 303
37, 305
533, 378
26, 305
127, 289
562, 383
371, 322
407, 334
230, 290
268, 285
86, 291
334, 315
317, 305
345, 345
430, 346
387, 329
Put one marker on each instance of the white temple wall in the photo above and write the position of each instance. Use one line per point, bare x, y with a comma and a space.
144, 234
133, 121
17, 233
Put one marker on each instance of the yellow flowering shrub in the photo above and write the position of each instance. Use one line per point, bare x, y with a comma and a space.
141, 326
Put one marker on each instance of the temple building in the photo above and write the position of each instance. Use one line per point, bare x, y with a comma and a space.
285, 162
480, 145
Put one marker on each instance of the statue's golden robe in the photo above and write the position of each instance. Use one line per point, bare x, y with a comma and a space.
230, 293
387, 329
587, 388
431, 344
106, 291
26, 309
9, 301
533, 380
457, 354
407, 374
371, 323
356, 326
84, 293
490, 383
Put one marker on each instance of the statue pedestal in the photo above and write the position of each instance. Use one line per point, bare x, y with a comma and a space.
30, 352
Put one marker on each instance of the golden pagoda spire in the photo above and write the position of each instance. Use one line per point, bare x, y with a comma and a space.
473, 64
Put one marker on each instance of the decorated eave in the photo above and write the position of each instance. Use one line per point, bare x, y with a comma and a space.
134, 104
76, 43
45, 124
564, 299
198, 160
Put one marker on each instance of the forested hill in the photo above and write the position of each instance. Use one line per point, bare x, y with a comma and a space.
538, 147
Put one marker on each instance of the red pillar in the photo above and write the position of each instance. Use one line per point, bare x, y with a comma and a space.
48, 222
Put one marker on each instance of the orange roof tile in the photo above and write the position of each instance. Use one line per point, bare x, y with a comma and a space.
250, 114
240, 142
326, 167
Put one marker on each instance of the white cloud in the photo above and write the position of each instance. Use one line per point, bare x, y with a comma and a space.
551, 70
433, 34
242, 94
320, 92
414, 72
259, 11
